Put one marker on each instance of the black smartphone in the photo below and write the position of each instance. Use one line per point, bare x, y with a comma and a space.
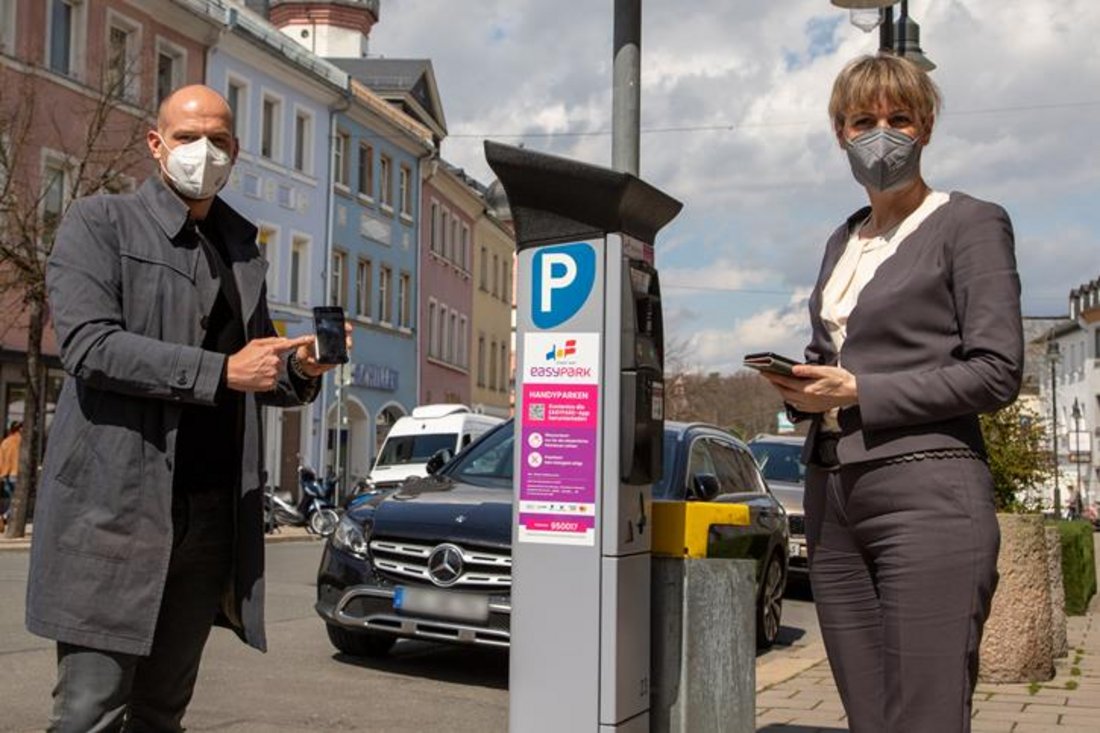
766, 361
331, 345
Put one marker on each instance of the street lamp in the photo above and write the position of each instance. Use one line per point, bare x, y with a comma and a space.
1076, 447
901, 39
1054, 355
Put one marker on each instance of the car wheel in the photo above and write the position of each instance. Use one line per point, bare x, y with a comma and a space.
324, 521
360, 643
769, 604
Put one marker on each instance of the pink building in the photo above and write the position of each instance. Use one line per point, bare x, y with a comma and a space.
57, 61
450, 208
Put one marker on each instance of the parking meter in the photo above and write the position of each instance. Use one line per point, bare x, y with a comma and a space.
589, 428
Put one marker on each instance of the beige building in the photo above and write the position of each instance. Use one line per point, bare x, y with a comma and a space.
491, 368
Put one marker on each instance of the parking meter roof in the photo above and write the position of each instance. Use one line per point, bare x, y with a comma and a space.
555, 199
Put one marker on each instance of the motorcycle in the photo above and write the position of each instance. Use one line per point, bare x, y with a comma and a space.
315, 511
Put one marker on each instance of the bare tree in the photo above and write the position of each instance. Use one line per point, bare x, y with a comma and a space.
94, 145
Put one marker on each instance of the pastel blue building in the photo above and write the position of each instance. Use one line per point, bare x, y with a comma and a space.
377, 155
282, 99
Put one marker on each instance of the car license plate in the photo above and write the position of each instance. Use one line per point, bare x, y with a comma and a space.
468, 607
796, 549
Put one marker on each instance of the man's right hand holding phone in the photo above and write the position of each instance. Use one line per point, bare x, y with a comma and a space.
255, 368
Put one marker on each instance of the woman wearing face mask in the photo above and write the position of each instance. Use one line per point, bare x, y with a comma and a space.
916, 329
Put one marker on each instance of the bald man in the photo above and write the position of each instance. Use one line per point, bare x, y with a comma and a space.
148, 525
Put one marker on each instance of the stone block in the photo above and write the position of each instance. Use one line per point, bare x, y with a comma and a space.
703, 642
1017, 644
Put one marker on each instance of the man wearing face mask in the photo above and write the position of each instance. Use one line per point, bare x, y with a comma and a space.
148, 526
916, 329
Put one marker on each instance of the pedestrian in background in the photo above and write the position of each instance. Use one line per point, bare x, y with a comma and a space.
148, 527
9, 468
916, 329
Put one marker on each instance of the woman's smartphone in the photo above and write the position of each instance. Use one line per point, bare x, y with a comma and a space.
766, 361
331, 346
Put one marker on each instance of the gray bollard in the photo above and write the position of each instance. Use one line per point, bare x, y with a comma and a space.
703, 653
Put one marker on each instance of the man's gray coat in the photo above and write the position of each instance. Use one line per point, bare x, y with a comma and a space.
129, 291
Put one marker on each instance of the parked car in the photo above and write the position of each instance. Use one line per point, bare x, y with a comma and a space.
780, 460
430, 430
432, 560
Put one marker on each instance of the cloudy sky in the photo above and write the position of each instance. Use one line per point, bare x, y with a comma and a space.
734, 125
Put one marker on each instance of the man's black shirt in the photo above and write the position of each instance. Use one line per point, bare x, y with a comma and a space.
209, 441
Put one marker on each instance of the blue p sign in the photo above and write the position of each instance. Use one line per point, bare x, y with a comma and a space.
563, 278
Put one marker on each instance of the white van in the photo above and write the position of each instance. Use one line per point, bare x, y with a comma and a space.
416, 437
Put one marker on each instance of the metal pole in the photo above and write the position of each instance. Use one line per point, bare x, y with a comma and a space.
1054, 416
886, 29
626, 96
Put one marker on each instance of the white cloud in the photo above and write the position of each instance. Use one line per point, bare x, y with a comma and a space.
766, 184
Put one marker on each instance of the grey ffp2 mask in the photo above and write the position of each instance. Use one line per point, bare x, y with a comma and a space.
883, 158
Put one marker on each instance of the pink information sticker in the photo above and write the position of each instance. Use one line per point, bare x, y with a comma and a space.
559, 431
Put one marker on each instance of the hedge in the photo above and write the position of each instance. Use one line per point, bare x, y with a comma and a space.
1078, 565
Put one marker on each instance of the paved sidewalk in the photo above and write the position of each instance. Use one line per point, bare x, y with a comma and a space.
1070, 703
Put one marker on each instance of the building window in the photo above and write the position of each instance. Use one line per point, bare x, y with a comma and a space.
496, 275
445, 334
433, 329
339, 280
299, 266
65, 36
406, 191
493, 365
55, 175
267, 239
270, 132
463, 343
7, 26
303, 142
484, 280
366, 170
464, 249
404, 301
385, 291
444, 243
433, 237
507, 280
121, 75
455, 243
481, 360
236, 94
364, 278
171, 69
503, 368
456, 349
340, 158
385, 179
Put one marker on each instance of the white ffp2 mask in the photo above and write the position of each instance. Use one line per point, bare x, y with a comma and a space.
198, 169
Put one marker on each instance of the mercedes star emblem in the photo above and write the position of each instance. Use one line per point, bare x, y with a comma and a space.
445, 565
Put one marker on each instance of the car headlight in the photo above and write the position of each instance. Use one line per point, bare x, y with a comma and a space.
351, 537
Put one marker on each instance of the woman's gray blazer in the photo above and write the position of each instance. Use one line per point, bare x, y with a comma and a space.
935, 338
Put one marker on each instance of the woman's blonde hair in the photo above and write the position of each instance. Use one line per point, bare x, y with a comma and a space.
867, 79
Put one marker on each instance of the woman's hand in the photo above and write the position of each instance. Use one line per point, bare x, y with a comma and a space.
816, 388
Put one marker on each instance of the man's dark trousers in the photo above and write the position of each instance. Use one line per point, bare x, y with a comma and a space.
108, 691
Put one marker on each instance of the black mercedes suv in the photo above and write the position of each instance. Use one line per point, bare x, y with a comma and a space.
432, 559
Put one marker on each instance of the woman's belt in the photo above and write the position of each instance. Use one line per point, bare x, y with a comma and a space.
825, 455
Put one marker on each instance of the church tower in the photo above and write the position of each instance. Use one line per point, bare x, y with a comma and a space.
328, 28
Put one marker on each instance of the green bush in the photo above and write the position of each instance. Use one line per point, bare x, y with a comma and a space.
1078, 565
